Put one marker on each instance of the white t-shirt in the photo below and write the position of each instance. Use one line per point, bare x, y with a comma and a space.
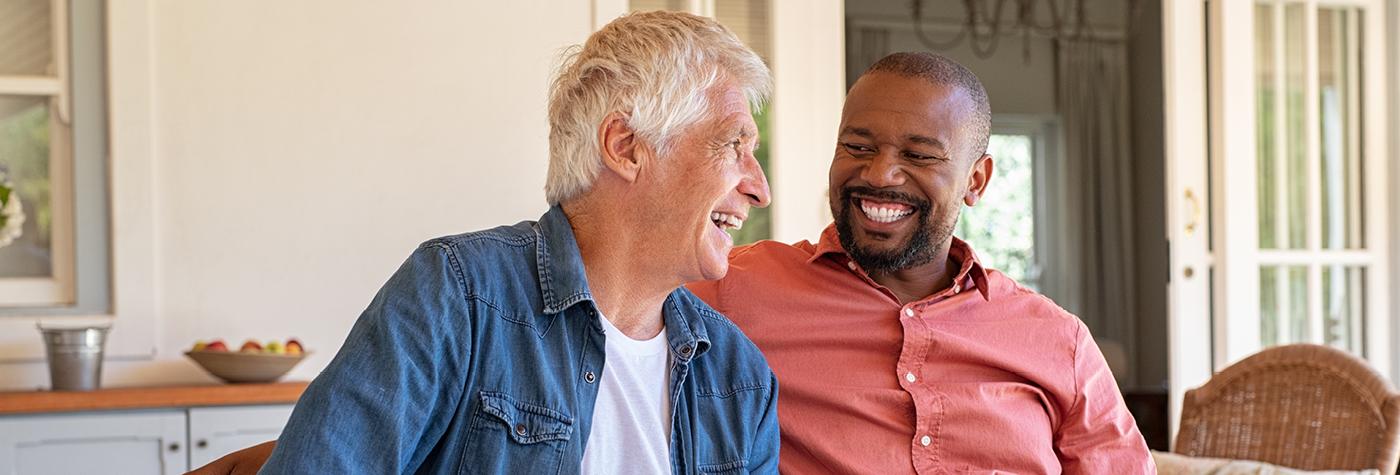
631, 430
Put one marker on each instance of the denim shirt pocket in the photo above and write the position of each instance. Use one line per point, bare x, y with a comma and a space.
728, 419
513, 436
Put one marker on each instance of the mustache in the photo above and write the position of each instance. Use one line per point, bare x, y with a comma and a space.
849, 192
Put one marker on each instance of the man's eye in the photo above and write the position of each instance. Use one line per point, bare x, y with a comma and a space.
856, 148
915, 156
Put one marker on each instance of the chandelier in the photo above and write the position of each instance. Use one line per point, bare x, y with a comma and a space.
983, 25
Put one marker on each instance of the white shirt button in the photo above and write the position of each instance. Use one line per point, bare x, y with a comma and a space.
908, 312
925, 440
910, 377
851, 265
957, 288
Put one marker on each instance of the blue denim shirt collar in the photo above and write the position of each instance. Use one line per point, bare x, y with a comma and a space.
564, 283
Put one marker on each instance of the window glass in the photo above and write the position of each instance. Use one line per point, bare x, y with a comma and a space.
24, 176
1002, 225
26, 38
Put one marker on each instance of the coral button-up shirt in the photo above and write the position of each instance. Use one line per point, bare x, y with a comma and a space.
984, 376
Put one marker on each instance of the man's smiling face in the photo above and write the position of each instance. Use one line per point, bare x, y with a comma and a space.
706, 187
900, 174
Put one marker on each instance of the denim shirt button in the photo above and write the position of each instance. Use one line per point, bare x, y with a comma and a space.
589, 377
685, 350
520, 429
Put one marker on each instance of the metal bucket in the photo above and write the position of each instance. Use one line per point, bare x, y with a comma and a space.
75, 357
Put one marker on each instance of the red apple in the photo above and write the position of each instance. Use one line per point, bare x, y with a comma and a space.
216, 345
294, 347
251, 346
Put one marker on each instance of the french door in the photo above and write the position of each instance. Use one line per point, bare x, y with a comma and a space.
1277, 180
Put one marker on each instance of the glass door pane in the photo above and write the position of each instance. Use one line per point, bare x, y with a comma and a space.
1283, 305
1293, 212
1280, 123
1267, 122
1338, 51
1343, 306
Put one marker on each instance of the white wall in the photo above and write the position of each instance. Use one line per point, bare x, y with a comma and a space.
300, 150
273, 162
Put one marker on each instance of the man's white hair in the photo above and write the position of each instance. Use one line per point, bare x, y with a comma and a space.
656, 68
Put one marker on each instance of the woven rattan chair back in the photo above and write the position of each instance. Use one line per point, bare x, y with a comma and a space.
1303, 406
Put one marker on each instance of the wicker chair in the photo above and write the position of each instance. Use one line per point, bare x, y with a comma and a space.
1303, 406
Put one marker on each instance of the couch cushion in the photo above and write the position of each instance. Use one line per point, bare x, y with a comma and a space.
1177, 464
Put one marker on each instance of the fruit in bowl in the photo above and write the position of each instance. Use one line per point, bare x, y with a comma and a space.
252, 363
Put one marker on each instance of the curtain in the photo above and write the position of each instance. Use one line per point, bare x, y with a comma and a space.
1092, 98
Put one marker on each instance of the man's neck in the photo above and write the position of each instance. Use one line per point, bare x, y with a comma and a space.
627, 292
918, 282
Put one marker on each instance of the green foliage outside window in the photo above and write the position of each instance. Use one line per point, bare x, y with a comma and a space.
759, 226
1001, 228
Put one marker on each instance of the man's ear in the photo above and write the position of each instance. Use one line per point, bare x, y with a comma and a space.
978, 179
620, 147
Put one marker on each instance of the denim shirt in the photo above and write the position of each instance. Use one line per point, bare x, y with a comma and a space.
482, 353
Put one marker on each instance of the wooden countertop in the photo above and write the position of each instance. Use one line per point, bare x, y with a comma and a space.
31, 402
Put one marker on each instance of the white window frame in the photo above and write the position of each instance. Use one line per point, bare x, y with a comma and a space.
133, 312
58, 288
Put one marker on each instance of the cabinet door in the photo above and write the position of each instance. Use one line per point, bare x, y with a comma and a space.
216, 431
128, 442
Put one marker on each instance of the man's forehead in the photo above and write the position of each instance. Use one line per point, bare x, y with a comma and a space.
877, 94
910, 91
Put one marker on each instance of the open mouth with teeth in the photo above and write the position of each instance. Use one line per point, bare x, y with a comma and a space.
726, 221
884, 211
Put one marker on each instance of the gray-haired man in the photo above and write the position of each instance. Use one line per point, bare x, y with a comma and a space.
550, 346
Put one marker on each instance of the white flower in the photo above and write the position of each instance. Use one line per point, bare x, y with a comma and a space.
13, 217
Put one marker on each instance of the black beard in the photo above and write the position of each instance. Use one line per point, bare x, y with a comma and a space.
917, 251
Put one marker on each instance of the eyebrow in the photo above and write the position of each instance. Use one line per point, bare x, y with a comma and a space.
922, 140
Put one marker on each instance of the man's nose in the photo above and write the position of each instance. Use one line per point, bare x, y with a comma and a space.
883, 170
754, 185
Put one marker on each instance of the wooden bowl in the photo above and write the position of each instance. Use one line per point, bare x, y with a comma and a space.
239, 367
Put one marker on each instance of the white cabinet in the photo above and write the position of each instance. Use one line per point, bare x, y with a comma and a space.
164, 441
150, 442
217, 431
